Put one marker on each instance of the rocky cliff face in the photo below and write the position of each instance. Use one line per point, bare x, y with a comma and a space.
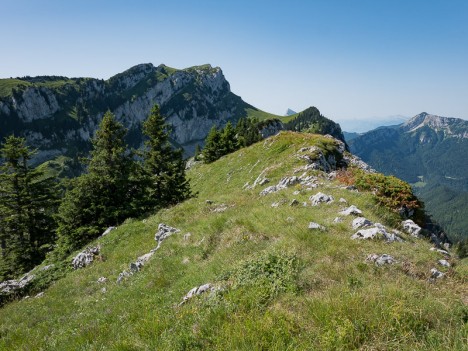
60, 115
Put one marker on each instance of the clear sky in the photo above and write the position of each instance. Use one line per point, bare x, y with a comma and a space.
352, 59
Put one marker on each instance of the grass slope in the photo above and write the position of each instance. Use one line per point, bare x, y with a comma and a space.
283, 287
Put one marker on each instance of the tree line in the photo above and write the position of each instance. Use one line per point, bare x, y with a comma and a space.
40, 215
223, 141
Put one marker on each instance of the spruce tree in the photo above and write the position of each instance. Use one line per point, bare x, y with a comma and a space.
228, 139
211, 151
27, 202
164, 167
103, 196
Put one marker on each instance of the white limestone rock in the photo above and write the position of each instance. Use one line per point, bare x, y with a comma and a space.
319, 198
351, 210
360, 222
411, 228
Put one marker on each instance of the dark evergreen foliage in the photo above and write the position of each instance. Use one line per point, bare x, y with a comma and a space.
103, 196
27, 203
310, 120
163, 167
222, 142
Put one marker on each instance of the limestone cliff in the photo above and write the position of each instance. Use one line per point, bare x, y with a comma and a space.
59, 115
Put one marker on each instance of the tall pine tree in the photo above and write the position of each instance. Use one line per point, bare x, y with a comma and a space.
104, 195
163, 167
27, 202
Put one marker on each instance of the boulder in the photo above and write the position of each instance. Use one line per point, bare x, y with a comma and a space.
435, 274
319, 198
360, 222
411, 228
11, 286
444, 263
379, 231
351, 210
86, 257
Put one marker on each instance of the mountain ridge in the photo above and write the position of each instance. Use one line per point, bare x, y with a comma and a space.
246, 266
58, 115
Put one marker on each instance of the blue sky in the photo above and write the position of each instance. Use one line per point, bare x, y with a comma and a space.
352, 59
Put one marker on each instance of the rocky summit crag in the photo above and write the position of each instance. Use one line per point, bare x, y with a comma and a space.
59, 115
310, 264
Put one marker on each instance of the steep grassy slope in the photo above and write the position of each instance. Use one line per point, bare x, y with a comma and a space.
280, 286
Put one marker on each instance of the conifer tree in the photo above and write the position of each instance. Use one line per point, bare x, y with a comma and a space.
211, 151
104, 195
228, 139
164, 167
27, 203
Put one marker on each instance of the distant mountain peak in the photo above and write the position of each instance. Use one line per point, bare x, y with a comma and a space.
290, 112
454, 127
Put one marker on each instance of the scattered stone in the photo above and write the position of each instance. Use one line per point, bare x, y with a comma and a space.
444, 263
379, 231
371, 233
411, 228
304, 204
447, 246
86, 257
197, 291
102, 280
319, 198
186, 260
108, 230
104, 290
357, 162
351, 210
443, 252
290, 220
360, 222
221, 208
338, 220
343, 201
435, 274
275, 204
381, 260
209, 202
39, 295
45, 268
11, 286
351, 188
269, 190
263, 181
187, 236
296, 192
294, 202
283, 184
313, 226
164, 231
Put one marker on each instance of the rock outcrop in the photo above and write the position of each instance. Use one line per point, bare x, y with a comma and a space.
192, 100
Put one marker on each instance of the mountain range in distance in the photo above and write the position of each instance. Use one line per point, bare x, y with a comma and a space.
59, 115
429, 152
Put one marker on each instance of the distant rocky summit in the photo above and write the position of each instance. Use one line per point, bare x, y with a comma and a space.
59, 115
